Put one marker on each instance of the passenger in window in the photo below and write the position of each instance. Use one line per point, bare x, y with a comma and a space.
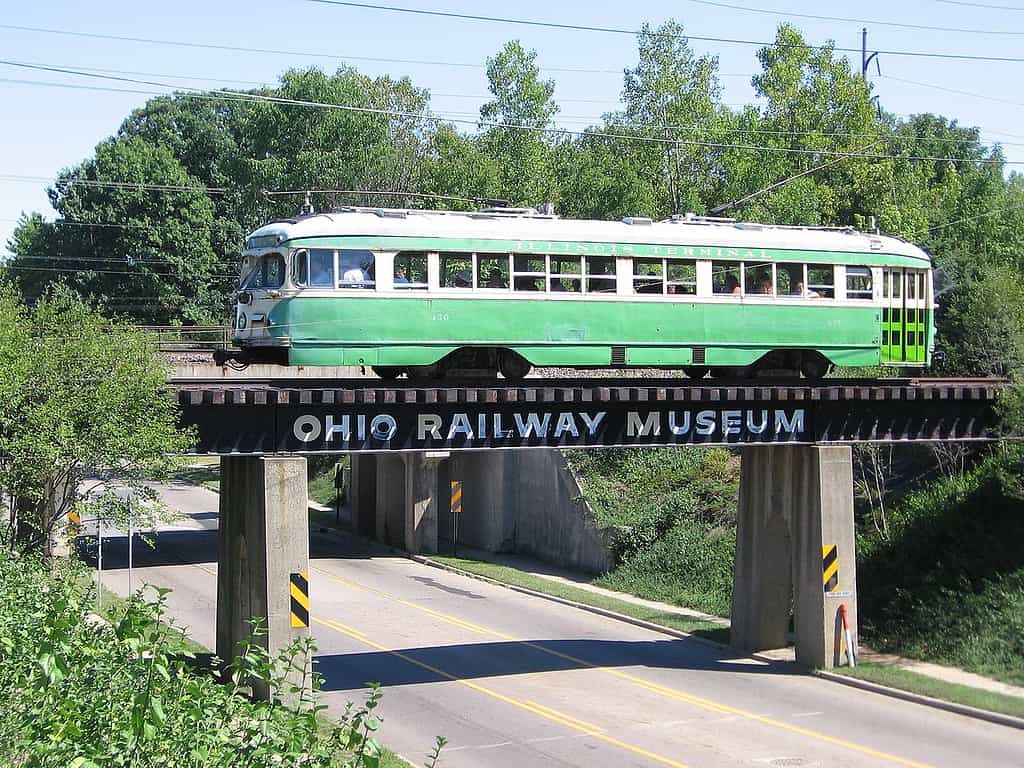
400, 277
496, 280
764, 286
732, 285
356, 274
527, 284
463, 279
321, 274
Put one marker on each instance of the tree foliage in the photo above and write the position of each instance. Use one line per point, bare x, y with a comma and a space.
82, 399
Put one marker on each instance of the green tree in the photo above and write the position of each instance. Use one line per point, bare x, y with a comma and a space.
520, 98
144, 251
82, 398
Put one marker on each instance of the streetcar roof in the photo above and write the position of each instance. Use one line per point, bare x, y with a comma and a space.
524, 224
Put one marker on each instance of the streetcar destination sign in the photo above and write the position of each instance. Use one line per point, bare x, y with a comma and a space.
497, 427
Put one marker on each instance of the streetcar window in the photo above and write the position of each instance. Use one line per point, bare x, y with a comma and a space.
411, 270
821, 281
912, 285
682, 277
566, 273
789, 280
456, 270
600, 274
492, 271
300, 268
648, 276
267, 271
858, 283
356, 269
529, 272
757, 279
725, 278
321, 268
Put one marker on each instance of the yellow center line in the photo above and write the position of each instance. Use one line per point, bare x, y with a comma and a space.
697, 701
545, 712
564, 716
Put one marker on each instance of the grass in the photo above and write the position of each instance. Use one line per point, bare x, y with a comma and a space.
507, 575
205, 476
906, 680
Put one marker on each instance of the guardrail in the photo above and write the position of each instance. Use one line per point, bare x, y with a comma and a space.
190, 338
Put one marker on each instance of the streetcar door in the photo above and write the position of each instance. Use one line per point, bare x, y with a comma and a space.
893, 314
915, 332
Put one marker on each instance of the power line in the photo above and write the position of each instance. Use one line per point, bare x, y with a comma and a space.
263, 98
278, 52
872, 22
654, 33
953, 90
984, 215
982, 5
99, 183
595, 119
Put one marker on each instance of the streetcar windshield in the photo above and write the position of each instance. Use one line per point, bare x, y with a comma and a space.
266, 271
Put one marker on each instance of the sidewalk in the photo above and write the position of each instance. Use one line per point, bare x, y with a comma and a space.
581, 581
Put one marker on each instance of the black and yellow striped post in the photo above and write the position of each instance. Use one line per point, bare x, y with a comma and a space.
456, 505
300, 600
830, 567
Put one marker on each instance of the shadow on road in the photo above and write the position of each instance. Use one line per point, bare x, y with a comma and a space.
410, 666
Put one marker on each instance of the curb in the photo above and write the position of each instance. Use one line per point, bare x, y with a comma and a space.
918, 698
897, 693
677, 633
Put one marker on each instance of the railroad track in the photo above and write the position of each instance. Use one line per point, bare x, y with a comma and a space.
279, 383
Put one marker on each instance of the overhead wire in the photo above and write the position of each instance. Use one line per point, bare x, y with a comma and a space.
872, 22
445, 117
981, 5
656, 33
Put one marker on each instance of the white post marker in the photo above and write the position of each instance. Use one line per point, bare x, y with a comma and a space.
851, 655
131, 536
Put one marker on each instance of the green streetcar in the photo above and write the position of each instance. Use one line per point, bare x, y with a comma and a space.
432, 293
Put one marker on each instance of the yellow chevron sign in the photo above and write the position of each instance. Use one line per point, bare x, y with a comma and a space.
299, 586
830, 567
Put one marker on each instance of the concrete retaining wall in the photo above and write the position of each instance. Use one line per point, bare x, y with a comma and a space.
527, 502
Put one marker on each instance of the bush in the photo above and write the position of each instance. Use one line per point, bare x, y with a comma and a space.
674, 513
76, 691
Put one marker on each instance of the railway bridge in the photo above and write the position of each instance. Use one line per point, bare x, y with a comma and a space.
795, 538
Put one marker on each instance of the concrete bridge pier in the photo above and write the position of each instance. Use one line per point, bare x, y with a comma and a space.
795, 518
396, 498
263, 550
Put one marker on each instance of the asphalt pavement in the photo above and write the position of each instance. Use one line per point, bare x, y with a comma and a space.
518, 681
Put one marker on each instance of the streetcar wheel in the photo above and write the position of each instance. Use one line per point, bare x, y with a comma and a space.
815, 366
696, 371
513, 366
387, 372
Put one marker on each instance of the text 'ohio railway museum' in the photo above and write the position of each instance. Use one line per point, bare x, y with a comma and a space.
361, 416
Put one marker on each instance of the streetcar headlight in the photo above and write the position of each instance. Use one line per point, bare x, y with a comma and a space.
242, 321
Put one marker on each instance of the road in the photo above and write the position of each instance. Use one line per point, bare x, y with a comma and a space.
517, 681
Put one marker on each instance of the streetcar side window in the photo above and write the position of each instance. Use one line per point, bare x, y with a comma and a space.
492, 271
600, 274
566, 273
789, 280
300, 268
529, 272
355, 268
757, 279
681, 277
456, 270
649, 276
858, 283
821, 281
321, 268
410, 271
725, 278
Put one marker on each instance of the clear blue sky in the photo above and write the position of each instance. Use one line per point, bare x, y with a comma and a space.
46, 128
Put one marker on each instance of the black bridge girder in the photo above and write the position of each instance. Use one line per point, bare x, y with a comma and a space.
239, 417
